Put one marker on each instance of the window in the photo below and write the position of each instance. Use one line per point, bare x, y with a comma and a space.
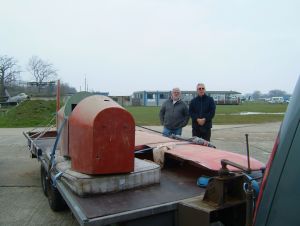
163, 96
150, 96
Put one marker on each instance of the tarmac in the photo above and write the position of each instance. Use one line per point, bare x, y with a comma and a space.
22, 201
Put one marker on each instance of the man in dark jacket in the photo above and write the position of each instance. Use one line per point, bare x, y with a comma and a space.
174, 114
202, 110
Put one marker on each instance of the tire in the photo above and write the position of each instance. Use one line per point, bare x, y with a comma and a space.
55, 200
44, 179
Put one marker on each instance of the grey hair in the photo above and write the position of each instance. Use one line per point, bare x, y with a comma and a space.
176, 89
200, 84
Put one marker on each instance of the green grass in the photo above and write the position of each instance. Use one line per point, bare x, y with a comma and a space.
223, 113
29, 114
145, 115
150, 115
40, 112
246, 119
251, 107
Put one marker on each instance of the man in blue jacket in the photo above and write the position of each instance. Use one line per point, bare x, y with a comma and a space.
202, 110
174, 114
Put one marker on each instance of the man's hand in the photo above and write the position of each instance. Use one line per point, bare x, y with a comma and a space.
201, 121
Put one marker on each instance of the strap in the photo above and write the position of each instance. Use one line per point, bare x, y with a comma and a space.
52, 155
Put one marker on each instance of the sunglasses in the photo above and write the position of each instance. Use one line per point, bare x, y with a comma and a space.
201, 88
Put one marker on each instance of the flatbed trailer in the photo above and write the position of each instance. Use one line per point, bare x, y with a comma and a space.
177, 200
151, 205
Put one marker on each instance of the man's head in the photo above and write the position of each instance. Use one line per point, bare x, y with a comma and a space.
176, 94
201, 89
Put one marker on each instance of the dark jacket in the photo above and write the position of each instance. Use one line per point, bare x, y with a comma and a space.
202, 107
174, 116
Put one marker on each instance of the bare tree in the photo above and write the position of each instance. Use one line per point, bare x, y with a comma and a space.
9, 71
41, 70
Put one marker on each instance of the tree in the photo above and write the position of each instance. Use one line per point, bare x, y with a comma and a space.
41, 70
256, 95
276, 93
9, 71
65, 88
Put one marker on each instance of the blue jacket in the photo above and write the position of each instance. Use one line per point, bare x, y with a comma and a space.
202, 107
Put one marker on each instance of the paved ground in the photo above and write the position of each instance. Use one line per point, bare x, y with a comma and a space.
21, 199
23, 203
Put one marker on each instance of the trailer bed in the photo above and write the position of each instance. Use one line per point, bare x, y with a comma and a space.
132, 204
177, 183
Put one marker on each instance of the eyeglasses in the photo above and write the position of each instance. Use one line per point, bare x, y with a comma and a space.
201, 88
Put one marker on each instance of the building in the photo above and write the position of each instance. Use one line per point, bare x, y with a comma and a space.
122, 100
156, 98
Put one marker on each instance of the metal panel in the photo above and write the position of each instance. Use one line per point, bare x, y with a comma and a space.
284, 209
162, 219
195, 212
64, 139
210, 158
72, 203
284, 160
202, 156
160, 215
101, 137
176, 185
65, 112
73, 101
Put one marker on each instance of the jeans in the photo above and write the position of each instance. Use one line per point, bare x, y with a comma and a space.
168, 132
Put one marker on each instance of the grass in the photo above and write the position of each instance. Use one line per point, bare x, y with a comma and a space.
246, 119
40, 112
224, 113
28, 114
145, 115
150, 115
251, 107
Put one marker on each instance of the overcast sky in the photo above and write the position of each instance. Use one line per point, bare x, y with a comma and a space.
123, 46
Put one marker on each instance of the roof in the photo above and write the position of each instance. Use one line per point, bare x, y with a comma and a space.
188, 91
226, 92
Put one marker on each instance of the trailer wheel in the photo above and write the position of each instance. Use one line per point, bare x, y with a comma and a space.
44, 182
56, 201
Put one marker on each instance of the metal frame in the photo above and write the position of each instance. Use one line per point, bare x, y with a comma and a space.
165, 211
113, 218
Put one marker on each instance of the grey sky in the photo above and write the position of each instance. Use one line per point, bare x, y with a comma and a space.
128, 45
